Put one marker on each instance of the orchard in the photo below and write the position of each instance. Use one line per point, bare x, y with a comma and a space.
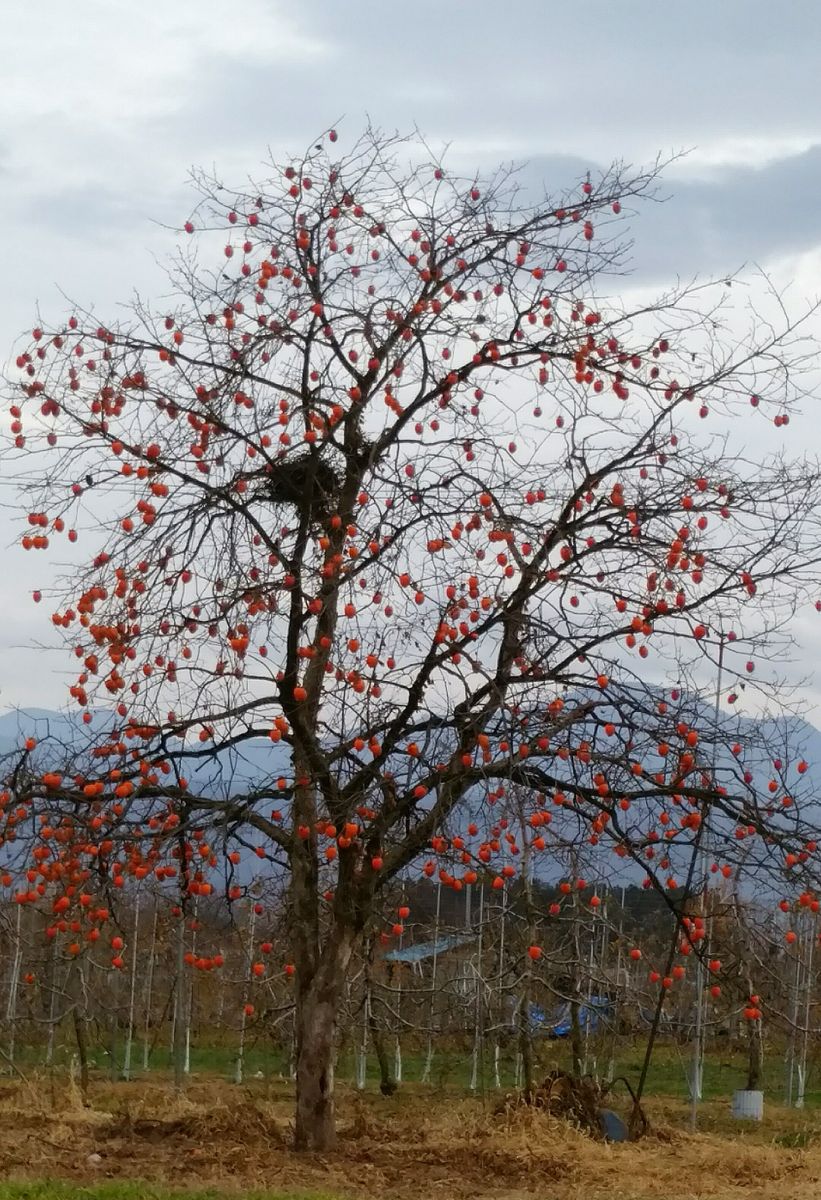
400, 554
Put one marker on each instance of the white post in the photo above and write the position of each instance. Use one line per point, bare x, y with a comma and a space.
497, 1049
805, 1033
697, 1067
149, 986
429, 1055
189, 1008
14, 984
397, 1060
397, 1049
587, 1010
477, 1032
129, 1040
178, 1029
791, 1059
362, 1060
52, 1006
249, 958
611, 1065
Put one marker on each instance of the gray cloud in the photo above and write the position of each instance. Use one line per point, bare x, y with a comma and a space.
714, 225
736, 216
740, 215
85, 209
92, 156
545, 74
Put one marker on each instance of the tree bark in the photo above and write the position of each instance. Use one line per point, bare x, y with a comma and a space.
576, 1035
317, 1012
75, 988
755, 1057
82, 1052
387, 1080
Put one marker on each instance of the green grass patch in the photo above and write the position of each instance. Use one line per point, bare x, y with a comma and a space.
451, 1066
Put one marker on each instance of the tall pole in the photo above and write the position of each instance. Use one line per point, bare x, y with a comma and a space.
52, 1005
362, 1060
805, 1033
525, 1055
178, 1039
429, 1055
189, 999
497, 1049
14, 984
697, 1070
129, 1040
477, 1031
791, 1061
397, 975
249, 959
149, 987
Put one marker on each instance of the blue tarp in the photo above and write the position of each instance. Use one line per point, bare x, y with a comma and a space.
592, 1012
424, 950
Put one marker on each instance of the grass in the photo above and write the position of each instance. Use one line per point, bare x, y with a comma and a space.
724, 1072
724, 1067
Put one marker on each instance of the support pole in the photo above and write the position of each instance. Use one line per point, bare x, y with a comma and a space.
478, 1023
697, 1066
805, 1033
149, 987
497, 1049
129, 1039
14, 985
246, 991
434, 966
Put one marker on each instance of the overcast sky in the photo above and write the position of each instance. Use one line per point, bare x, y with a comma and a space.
106, 104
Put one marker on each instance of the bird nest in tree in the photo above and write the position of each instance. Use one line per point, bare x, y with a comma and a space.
582, 1102
306, 481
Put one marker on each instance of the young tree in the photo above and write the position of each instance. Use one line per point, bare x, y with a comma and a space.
388, 481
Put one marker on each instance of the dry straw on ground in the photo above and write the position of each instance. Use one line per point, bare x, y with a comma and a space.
420, 1145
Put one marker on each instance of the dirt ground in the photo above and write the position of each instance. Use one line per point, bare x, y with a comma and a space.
417, 1144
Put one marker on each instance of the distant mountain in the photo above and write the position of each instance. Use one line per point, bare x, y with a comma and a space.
61, 735
789, 740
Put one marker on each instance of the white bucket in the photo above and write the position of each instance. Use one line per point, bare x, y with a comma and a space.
748, 1106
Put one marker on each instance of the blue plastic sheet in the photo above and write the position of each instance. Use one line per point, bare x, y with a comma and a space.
425, 950
593, 1011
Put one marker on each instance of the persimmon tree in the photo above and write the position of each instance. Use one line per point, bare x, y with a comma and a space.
391, 502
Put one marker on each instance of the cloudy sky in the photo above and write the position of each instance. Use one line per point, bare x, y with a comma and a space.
106, 104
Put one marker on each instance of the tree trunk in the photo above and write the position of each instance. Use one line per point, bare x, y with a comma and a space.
76, 989
387, 1080
526, 1048
576, 1037
82, 1052
755, 1060
317, 1011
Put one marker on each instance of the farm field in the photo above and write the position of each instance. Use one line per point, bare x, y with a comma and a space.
138, 1141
